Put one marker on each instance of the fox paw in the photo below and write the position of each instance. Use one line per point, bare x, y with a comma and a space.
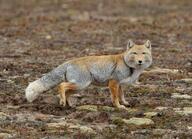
126, 103
121, 107
68, 103
62, 102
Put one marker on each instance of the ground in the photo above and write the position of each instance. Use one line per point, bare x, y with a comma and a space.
36, 36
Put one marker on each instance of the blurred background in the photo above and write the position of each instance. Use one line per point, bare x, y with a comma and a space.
38, 35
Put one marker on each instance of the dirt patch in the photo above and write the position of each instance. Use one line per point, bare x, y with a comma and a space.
36, 36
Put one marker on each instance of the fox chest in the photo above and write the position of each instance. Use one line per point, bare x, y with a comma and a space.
122, 73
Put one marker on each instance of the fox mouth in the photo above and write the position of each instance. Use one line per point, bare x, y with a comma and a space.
140, 64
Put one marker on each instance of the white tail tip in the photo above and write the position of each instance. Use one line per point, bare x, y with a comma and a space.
33, 90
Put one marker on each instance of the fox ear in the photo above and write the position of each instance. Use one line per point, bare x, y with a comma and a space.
130, 44
148, 44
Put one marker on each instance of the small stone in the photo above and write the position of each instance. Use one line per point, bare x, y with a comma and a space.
61, 119
23, 117
186, 80
66, 125
176, 109
85, 16
189, 127
3, 116
83, 129
159, 131
160, 108
48, 37
179, 96
56, 125
64, 6
185, 111
5, 136
131, 110
139, 121
88, 108
13, 107
150, 114
188, 109
143, 131
180, 89
26, 75
42, 117
74, 15
107, 108
117, 120
134, 121
10, 81
101, 126
139, 114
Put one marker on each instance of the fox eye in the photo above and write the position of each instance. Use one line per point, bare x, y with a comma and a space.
134, 53
144, 53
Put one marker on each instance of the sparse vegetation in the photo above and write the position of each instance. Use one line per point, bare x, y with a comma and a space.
36, 36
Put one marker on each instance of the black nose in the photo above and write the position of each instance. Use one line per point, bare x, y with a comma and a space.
140, 62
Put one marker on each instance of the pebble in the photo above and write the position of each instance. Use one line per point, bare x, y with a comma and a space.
139, 121
184, 111
3, 116
5, 136
150, 114
88, 108
133, 121
48, 37
185, 80
161, 108
64, 124
180, 96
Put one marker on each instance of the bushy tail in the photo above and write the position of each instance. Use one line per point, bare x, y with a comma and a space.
46, 82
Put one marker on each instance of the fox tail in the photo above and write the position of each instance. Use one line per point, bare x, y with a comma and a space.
46, 82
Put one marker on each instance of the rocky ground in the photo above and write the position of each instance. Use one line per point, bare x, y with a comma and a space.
36, 36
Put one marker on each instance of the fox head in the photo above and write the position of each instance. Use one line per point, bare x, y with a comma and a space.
138, 56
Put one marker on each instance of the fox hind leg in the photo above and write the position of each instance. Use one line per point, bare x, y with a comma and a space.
65, 89
68, 94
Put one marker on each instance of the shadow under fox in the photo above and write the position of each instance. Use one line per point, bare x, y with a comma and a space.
106, 70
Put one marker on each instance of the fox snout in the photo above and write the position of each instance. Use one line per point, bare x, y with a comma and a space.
145, 61
140, 62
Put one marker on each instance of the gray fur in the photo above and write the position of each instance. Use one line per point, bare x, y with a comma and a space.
54, 77
95, 70
83, 76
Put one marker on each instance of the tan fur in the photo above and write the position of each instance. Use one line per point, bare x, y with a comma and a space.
106, 70
66, 88
115, 93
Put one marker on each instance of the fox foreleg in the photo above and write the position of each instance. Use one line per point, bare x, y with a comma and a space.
114, 89
122, 97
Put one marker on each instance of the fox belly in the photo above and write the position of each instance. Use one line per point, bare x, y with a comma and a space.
101, 74
78, 75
